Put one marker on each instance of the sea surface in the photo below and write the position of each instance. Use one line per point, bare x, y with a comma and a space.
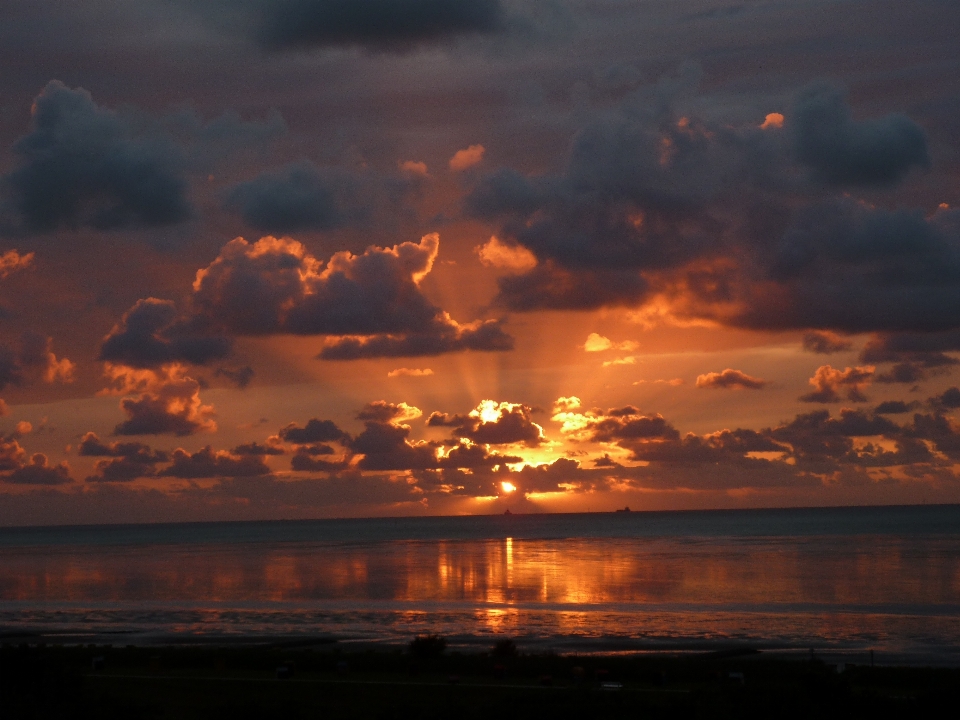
837, 582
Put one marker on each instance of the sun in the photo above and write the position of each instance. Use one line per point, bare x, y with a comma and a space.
508, 487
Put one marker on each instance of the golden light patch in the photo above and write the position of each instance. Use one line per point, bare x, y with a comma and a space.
508, 487
772, 120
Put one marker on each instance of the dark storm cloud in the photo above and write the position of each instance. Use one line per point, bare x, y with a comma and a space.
315, 431
824, 342
152, 334
949, 398
84, 165
207, 463
379, 24
841, 151
905, 372
725, 222
274, 286
892, 407
928, 350
91, 446
302, 196
551, 287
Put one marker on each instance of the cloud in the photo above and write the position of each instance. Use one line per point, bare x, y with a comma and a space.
12, 261
166, 402
152, 334
949, 398
772, 120
33, 361
84, 165
370, 304
729, 378
39, 472
905, 372
414, 167
129, 461
493, 423
824, 342
376, 24
495, 253
271, 447
386, 412
828, 382
726, 224
466, 158
628, 360
410, 372
598, 343
207, 463
316, 430
303, 196
925, 349
892, 407
841, 151
240, 376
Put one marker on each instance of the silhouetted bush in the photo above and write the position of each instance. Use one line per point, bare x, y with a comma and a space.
505, 648
428, 646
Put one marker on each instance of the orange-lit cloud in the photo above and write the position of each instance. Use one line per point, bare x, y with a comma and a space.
495, 253
410, 372
414, 167
772, 120
468, 157
828, 382
598, 343
12, 261
729, 378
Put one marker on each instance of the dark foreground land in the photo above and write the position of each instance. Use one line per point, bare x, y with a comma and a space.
326, 681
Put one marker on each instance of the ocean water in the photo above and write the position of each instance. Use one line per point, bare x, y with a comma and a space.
838, 581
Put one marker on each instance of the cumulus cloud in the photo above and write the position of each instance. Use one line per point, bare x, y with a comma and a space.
841, 151
948, 399
12, 261
824, 342
729, 378
370, 305
828, 383
152, 334
466, 158
164, 401
314, 431
33, 361
84, 165
39, 472
375, 24
208, 463
728, 224
303, 196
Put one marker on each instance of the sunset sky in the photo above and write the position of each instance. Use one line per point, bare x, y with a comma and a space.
334, 258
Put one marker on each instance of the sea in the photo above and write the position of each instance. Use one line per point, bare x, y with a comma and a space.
851, 584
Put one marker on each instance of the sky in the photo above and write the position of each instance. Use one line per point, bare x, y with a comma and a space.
266, 259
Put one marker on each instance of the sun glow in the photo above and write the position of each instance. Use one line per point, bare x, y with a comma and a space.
508, 487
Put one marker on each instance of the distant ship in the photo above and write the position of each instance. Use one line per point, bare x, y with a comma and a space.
507, 512
626, 509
